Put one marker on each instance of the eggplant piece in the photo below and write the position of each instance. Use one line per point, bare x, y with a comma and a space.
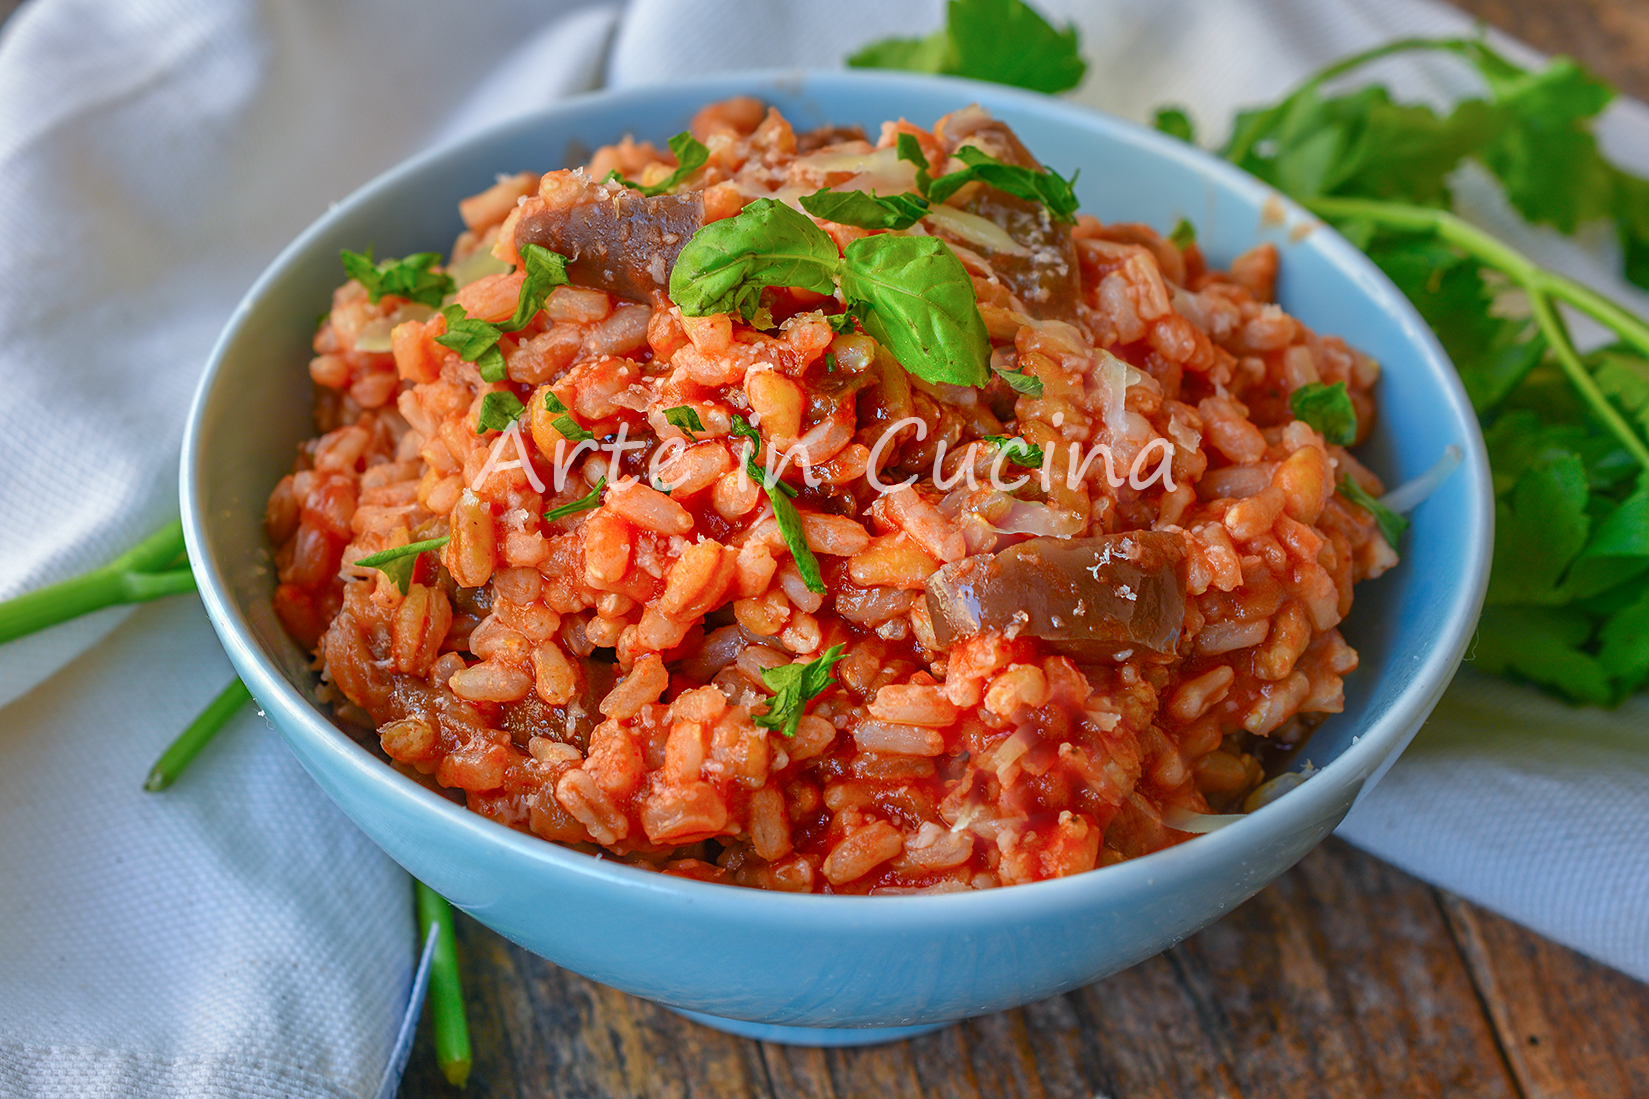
1104, 597
1048, 280
620, 241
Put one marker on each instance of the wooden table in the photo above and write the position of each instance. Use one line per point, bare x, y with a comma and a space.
1345, 978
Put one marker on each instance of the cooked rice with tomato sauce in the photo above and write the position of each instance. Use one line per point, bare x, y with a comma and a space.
596, 678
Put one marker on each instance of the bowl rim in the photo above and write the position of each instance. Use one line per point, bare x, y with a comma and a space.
1360, 764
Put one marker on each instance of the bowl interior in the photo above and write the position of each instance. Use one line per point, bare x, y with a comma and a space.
1410, 626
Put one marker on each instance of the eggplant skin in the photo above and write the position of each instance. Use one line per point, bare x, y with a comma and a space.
620, 241
1105, 597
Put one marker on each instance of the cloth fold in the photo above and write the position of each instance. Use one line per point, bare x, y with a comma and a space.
236, 935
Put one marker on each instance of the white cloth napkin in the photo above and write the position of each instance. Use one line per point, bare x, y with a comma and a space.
235, 935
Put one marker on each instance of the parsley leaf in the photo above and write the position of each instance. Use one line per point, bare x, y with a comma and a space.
583, 503
1184, 234
793, 687
401, 562
866, 210
1046, 187
690, 154
921, 305
1004, 41
1542, 644
684, 418
784, 512
545, 270
570, 429
409, 277
1540, 526
1174, 122
1022, 381
724, 267
498, 411
1012, 446
1390, 523
1326, 408
476, 342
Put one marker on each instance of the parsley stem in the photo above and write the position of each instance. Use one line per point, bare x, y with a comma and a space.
149, 570
182, 751
1557, 335
446, 994
1541, 286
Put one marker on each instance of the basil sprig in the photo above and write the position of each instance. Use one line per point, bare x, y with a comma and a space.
1047, 187
911, 293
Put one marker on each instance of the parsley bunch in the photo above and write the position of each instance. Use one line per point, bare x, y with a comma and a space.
1004, 41
1568, 601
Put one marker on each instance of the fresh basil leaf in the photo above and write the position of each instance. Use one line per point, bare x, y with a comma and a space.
545, 270
583, 503
1184, 234
1390, 523
726, 264
910, 150
401, 562
684, 418
1327, 408
793, 687
1018, 451
1046, 187
920, 304
866, 210
1022, 382
498, 411
409, 277
1174, 122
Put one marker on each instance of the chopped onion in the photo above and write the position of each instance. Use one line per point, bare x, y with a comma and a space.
1029, 517
1184, 820
1409, 495
976, 230
375, 334
478, 264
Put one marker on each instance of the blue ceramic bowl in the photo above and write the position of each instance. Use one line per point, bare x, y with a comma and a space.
761, 962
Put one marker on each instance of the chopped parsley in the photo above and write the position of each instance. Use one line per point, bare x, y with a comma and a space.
584, 503
690, 157
684, 418
1004, 41
1031, 456
410, 277
1390, 523
793, 687
498, 411
1328, 409
400, 562
784, 512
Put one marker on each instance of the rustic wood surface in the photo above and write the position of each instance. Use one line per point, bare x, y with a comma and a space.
1346, 977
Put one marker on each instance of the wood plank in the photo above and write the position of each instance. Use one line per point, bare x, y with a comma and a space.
1611, 37
1570, 1026
1343, 978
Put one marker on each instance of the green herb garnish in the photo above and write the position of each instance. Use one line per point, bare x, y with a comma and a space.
1022, 381
793, 687
476, 341
690, 157
1184, 234
1390, 523
400, 562
684, 418
409, 277
1328, 409
866, 210
1176, 123
583, 503
784, 512
910, 293
569, 428
1568, 602
498, 411
1004, 41
1012, 446
1047, 187
910, 150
